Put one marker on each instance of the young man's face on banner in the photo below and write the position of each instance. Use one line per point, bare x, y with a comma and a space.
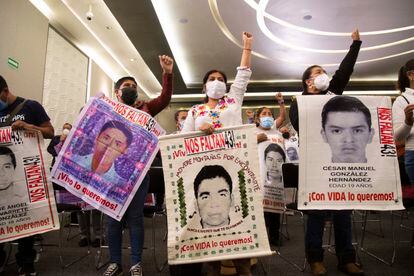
6, 172
214, 200
274, 161
347, 134
110, 144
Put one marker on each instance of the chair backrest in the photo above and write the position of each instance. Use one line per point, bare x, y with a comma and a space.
290, 172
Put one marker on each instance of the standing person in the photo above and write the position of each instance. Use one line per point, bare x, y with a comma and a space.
265, 125
24, 114
221, 110
125, 90
315, 81
402, 114
180, 116
57, 141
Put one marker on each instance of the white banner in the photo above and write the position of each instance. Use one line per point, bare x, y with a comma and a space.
27, 204
348, 159
271, 157
213, 196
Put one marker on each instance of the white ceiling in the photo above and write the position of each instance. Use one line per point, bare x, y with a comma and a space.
206, 34
211, 36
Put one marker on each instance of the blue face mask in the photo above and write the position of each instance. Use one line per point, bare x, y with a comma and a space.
266, 122
3, 105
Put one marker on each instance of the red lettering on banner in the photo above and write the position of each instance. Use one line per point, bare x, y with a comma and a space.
5, 135
178, 153
385, 126
336, 196
216, 141
34, 178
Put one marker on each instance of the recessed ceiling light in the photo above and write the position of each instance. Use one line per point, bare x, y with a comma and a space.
307, 17
108, 28
132, 59
183, 20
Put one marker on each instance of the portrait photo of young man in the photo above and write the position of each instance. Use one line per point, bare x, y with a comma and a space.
113, 140
347, 128
213, 192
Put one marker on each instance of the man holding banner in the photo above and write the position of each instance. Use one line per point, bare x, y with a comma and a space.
28, 115
134, 213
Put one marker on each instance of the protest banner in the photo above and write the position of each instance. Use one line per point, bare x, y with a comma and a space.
64, 197
271, 157
27, 203
213, 197
107, 154
348, 159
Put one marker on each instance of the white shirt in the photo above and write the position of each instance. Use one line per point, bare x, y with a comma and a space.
227, 112
402, 131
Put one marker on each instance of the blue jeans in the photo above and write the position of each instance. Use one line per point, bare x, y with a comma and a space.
135, 220
409, 165
341, 219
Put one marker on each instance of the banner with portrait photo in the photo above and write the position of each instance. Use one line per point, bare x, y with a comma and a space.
272, 155
348, 159
27, 203
213, 197
107, 155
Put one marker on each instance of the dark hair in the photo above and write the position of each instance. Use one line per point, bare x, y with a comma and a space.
207, 75
3, 83
306, 76
205, 79
177, 113
67, 124
345, 104
7, 151
120, 126
403, 80
275, 148
122, 80
209, 172
257, 114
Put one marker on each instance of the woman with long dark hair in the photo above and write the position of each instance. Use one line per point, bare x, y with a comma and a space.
315, 81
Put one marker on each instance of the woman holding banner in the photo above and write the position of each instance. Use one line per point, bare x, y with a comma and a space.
271, 157
221, 110
315, 81
402, 114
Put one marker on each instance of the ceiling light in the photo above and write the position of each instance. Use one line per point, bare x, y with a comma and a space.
43, 8
254, 5
307, 17
162, 10
183, 20
260, 18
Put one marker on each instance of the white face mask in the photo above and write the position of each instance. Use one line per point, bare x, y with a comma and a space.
65, 131
215, 89
321, 82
